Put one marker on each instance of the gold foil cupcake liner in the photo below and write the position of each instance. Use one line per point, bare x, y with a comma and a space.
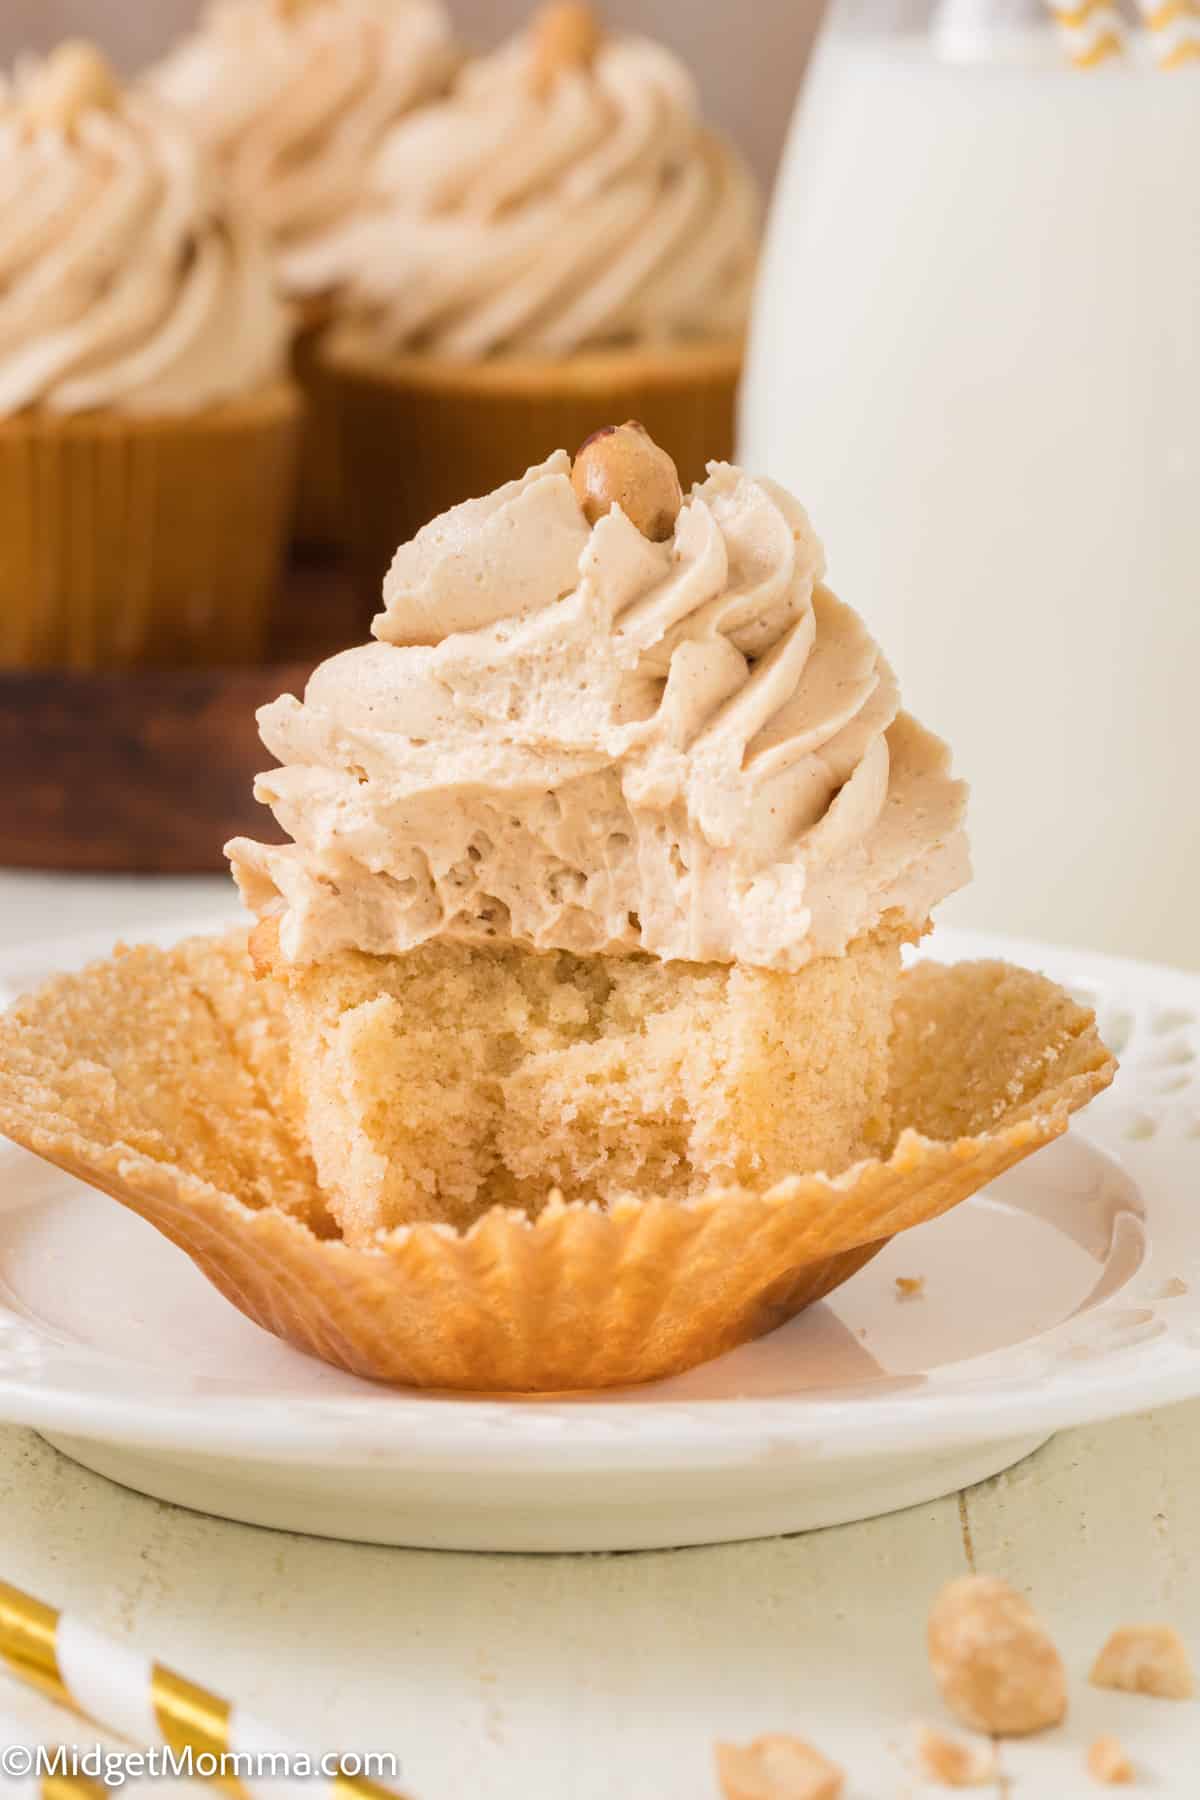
162, 1078
319, 520
135, 541
420, 433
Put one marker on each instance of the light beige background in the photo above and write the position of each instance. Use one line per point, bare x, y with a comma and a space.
747, 54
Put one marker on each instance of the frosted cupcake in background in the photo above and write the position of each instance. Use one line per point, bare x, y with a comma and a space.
295, 97
558, 243
147, 428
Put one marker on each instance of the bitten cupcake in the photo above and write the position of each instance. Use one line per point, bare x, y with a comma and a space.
572, 1045
147, 429
295, 97
602, 855
559, 242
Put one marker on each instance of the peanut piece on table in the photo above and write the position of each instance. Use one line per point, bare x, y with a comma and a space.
993, 1660
1145, 1659
951, 1763
777, 1767
1107, 1762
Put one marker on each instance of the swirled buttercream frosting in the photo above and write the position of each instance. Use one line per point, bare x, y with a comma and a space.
547, 210
569, 736
296, 98
128, 279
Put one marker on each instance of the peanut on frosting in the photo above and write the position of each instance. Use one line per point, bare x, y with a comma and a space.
621, 465
993, 1659
565, 36
73, 80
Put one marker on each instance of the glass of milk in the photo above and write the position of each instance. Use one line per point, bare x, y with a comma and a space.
976, 357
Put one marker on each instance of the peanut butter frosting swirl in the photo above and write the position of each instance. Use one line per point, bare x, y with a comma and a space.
296, 97
548, 209
574, 737
127, 279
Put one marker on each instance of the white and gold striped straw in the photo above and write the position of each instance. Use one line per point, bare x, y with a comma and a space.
144, 1702
1092, 31
1174, 28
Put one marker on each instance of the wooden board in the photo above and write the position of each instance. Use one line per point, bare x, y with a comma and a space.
152, 770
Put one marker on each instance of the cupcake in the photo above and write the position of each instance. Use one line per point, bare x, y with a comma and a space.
567, 865
295, 97
147, 428
558, 243
572, 1045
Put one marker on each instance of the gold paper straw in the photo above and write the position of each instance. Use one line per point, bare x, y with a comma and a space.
1091, 30
72, 1787
143, 1701
1174, 27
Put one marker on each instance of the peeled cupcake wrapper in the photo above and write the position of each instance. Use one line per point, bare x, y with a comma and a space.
162, 1078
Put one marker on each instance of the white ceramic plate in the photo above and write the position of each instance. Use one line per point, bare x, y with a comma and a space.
1068, 1291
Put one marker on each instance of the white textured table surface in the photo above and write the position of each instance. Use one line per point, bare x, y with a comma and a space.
589, 1677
